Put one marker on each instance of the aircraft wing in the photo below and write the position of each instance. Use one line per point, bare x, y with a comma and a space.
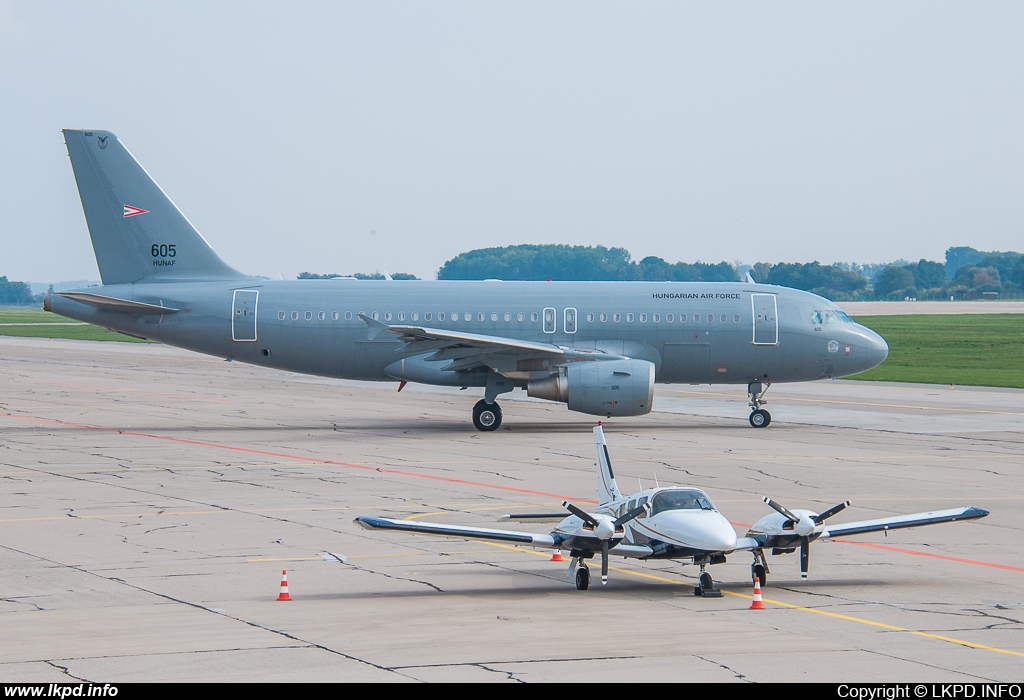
528, 539
438, 338
901, 521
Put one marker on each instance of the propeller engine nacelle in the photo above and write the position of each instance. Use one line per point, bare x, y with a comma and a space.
600, 388
786, 528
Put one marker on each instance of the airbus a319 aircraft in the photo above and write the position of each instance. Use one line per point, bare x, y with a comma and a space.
598, 347
670, 522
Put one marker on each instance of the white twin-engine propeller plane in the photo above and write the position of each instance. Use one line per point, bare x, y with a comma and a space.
671, 523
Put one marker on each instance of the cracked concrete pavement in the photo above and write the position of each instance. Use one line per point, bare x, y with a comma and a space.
152, 497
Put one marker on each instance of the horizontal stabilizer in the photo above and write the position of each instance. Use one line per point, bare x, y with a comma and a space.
114, 304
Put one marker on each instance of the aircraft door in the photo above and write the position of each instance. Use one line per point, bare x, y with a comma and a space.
243, 315
765, 318
549, 320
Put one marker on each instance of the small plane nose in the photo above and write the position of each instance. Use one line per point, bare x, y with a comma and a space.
710, 531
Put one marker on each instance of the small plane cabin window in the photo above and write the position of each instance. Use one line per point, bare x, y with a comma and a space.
604, 318
280, 315
643, 318
348, 315
415, 316
401, 315
507, 317
334, 315
494, 316
680, 499
669, 318
322, 315
616, 317
295, 315
309, 315
387, 315
629, 318
735, 318
520, 317
426, 316
656, 318
724, 318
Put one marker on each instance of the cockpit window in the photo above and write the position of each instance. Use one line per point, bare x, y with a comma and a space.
819, 317
680, 499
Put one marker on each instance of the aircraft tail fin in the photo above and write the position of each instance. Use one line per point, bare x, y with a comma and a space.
138, 234
607, 489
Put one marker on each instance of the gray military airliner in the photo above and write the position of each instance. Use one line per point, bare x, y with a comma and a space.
598, 347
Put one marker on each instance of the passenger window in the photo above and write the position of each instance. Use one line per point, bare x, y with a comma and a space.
415, 315
508, 317
401, 315
387, 315
629, 318
494, 316
643, 318
280, 315
295, 315
724, 318
520, 316
669, 318
322, 315
604, 318
615, 318
682, 318
711, 318
455, 317
348, 315
334, 315
656, 318
440, 315
469, 317
590, 318
427, 316
736, 318
309, 315
533, 317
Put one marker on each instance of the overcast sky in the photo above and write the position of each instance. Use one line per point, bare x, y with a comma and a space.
353, 137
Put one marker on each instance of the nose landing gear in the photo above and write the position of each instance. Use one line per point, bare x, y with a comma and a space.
759, 418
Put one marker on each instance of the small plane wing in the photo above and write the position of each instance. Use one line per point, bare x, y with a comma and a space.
902, 521
528, 539
535, 517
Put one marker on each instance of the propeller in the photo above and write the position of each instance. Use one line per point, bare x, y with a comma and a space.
804, 527
605, 528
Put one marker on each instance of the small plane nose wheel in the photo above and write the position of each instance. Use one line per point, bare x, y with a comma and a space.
582, 578
706, 585
486, 416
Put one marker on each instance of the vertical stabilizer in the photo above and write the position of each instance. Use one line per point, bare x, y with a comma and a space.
607, 489
137, 232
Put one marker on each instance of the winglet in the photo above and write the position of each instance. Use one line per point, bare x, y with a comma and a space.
607, 489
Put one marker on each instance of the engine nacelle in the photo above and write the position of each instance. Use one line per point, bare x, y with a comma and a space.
600, 388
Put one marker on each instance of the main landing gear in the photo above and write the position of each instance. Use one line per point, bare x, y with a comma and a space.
486, 416
759, 418
582, 578
759, 568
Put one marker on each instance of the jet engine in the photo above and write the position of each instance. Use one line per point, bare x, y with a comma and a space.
600, 388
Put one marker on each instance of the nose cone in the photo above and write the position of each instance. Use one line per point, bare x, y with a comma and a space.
876, 349
705, 529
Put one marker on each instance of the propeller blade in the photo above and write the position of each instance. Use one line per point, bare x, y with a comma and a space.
781, 510
822, 517
604, 562
580, 513
805, 556
635, 513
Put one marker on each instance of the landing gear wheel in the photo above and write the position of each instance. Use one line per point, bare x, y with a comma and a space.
757, 571
760, 418
486, 416
582, 578
706, 586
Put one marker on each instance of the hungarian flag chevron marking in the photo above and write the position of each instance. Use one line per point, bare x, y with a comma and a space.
129, 210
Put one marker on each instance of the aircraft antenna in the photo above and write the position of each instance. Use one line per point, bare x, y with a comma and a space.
656, 484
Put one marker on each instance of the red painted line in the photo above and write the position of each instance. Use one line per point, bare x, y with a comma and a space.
282, 455
933, 556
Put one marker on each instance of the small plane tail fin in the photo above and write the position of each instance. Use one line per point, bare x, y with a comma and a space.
607, 489
138, 234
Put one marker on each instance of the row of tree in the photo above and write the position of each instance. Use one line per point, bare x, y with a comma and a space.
15, 293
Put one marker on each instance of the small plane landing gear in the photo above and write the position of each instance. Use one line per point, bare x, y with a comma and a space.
486, 416
760, 573
759, 418
582, 578
706, 585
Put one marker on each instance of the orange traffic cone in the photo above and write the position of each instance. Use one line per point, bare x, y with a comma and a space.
284, 587
758, 604
557, 556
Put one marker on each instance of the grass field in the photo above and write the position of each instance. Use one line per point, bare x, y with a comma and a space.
32, 323
969, 349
